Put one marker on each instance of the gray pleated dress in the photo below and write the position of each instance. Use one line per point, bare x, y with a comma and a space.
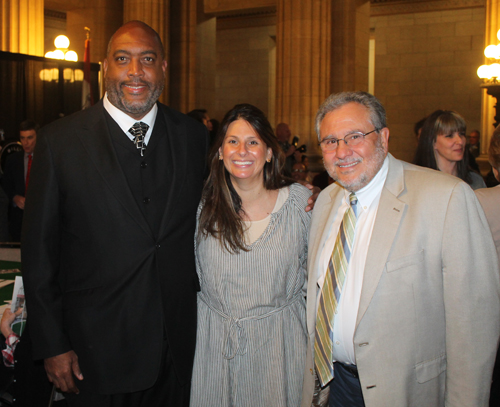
251, 340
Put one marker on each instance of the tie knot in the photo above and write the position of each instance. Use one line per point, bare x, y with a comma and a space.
353, 199
139, 129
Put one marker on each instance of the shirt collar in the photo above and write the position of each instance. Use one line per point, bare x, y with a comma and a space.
369, 192
125, 121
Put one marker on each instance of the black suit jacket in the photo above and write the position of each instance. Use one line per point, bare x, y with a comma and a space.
13, 183
97, 280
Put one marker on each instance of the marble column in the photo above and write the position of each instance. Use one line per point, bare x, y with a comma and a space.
155, 13
322, 47
303, 64
350, 45
192, 57
206, 27
183, 55
22, 26
103, 19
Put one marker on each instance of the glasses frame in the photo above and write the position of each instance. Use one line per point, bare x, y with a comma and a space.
320, 144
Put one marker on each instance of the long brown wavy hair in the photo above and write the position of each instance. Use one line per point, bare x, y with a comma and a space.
221, 214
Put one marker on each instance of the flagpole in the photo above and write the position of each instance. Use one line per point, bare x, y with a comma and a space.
87, 94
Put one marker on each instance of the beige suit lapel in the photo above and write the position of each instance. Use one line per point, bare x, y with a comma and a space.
322, 220
325, 220
389, 215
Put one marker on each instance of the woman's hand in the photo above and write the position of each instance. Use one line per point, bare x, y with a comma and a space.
312, 200
7, 320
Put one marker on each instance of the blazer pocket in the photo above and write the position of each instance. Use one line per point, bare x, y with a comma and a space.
405, 261
430, 369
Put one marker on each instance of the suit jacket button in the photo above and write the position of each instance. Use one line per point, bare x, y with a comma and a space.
157, 246
146, 200
144, 164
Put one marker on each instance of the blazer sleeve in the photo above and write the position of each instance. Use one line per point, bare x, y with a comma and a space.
40, 255
471, 300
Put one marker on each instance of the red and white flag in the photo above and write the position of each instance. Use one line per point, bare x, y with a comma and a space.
87, 96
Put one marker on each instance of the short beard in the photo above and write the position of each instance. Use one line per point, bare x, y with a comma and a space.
364, 179
117, 99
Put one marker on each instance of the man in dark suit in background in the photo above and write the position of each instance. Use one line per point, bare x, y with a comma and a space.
16, 177
108, 248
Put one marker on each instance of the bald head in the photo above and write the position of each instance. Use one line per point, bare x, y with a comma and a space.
137, 24
283, 132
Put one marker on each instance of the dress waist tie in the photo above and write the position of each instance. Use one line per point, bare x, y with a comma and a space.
235, 342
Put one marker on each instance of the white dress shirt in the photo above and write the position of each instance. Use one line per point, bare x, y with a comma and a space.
126, 122
347, 310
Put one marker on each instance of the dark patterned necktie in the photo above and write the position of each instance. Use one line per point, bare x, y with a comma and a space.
139, 130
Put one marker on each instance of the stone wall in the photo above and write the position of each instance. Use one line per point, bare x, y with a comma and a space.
427, 61
244, 58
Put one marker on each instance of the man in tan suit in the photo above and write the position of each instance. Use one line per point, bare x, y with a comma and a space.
415, 320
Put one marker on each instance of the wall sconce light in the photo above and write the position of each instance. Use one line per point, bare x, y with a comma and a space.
69, 75
490, 72
62, 52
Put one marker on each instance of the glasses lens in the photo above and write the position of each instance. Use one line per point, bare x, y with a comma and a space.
354, 139
328, 144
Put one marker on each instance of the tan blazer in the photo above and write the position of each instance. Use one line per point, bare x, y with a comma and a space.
429, 315
489, 199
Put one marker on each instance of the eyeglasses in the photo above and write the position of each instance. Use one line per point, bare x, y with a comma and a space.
352, 140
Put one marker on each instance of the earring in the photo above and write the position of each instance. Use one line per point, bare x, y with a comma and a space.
220, 157
268, 160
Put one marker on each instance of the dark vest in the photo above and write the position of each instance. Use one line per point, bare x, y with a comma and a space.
148, 177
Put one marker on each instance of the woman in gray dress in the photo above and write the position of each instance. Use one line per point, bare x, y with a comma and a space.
251, 253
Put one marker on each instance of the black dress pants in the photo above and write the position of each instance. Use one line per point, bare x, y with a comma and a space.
165, 392
345, 389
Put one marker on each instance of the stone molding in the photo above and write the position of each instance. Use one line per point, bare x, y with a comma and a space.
389, 7
59, 15
246, 20
239, 7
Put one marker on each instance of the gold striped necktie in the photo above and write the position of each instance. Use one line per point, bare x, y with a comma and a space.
331, 291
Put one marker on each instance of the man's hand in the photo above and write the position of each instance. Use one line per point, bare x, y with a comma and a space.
60, 370
312, 200
19, 201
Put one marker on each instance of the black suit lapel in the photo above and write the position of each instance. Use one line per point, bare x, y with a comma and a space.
178, 151
96, 140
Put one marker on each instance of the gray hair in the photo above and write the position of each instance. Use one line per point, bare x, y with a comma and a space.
337, 100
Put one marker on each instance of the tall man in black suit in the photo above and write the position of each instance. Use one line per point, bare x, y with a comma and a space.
16, 177
108, 256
